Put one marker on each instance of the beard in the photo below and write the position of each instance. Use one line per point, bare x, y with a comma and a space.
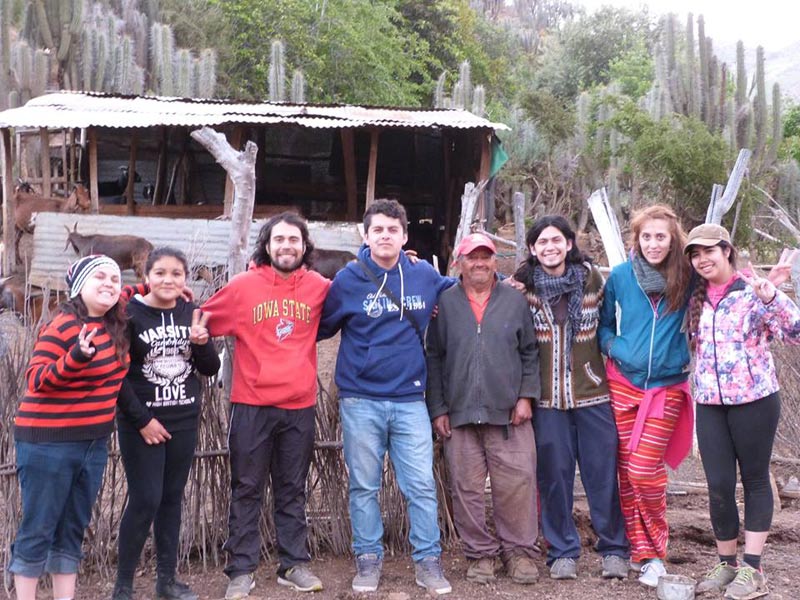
286, 263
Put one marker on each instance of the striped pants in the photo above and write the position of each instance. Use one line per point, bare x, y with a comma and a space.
642, 474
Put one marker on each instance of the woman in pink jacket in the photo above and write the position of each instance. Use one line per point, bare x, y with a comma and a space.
732, 318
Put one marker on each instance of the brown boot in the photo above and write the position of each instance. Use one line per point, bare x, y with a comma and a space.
482, 570
522, 569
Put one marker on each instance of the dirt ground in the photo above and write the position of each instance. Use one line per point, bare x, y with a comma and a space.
691, 553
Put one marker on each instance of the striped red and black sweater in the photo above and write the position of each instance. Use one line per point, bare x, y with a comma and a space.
69, 397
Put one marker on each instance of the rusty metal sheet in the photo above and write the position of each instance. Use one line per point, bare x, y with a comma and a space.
205, 242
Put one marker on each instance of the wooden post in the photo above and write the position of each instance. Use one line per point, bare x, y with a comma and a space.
161, 168
349, 154
483, 175
519, 225
241, 167
9, 234
373, 164
236, 143
95, 194
44, 157
129, 188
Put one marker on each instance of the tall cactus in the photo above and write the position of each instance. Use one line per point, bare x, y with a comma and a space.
743, 110
760, 105
703, 51
5, 52
277, 73
777, 125
438, 93
185, 73
207, 73
692, 80
298, 87
479, 101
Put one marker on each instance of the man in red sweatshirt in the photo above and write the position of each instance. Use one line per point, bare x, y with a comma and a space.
273, 312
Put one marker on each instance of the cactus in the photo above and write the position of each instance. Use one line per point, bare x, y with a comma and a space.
277, 73
185, 72
479, 101
760, 106
207, 75
743, 111
298, 87
704, 52
465, 78
5, 52
438, 94
777, 125
692, 80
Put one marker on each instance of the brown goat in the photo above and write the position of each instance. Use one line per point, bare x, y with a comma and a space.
128, 251
28, 205
329, 262
30, 303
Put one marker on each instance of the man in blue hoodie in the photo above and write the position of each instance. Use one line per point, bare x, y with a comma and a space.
382, 304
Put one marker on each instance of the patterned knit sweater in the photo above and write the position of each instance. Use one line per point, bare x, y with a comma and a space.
69, 397
581, 382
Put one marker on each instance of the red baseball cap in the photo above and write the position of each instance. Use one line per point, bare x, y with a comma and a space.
473, 241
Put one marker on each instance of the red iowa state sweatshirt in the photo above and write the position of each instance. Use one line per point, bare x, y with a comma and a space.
274, 322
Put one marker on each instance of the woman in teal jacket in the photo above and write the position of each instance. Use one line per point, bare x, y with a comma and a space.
641, 332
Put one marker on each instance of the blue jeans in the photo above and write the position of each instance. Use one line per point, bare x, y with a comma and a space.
370, 428
59, 483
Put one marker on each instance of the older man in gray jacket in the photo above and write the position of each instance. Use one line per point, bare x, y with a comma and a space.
483, 375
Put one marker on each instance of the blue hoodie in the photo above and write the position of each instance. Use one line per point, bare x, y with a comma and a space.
380, 354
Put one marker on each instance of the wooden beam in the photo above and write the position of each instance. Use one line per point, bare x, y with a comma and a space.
483, 175
349, 154
161, 168
129, 188
235, 142
44, 157
9, 234
93, 191
373, 165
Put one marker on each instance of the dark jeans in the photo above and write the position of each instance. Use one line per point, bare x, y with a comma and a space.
59, 483
268, 442
156, 477
743, 434
586, 436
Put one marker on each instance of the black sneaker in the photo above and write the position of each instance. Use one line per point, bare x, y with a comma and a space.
172, 589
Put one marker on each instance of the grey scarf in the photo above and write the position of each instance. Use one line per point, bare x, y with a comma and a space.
649, 278
550, 289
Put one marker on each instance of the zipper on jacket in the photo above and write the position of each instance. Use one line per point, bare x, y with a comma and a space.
714, 342
478, 370
654, 308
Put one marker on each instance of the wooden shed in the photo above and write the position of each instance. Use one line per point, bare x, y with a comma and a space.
137, 158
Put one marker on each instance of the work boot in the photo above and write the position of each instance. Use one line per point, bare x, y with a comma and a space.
122, 592
482, 570
522, 569
717, 579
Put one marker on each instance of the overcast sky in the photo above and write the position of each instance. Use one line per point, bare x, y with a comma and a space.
773, 24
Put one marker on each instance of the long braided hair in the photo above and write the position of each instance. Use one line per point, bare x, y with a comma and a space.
700, 295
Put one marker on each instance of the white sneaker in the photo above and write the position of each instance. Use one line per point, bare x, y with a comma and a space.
651, 571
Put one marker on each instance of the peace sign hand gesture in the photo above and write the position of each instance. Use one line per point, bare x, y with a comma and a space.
198, 334
782, 271
764, 288
85, 341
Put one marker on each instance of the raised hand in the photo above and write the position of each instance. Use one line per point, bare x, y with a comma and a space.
85, 342
764, 288
782, 271
198, 334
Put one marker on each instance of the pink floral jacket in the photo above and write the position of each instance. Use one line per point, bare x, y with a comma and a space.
733, 362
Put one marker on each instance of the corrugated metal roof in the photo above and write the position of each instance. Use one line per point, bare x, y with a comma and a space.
204, 242
84, 109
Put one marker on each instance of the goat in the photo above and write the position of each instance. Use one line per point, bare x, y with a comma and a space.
329, 262
28, 205
30, 303
128, 251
